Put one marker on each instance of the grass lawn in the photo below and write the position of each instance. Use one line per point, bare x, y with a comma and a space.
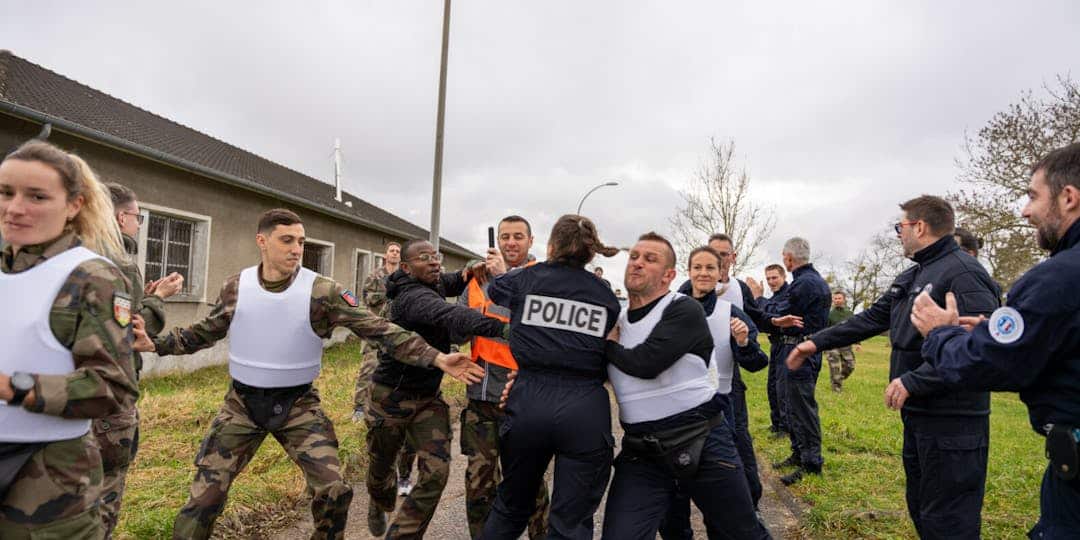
861, 494
176, 414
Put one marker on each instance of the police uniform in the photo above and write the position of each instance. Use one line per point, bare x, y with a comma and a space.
1032, 346
481, 418
809, 297
78, 349
275, 332
776, 365
560, 317
406, 403
118, 433
946, 432
722, 368
841, 359
676, 436
374, 295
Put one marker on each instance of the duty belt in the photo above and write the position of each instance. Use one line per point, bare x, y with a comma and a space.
793, 340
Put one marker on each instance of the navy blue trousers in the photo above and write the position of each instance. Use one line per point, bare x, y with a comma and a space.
1059, 509
565, 418
945, 464
643, 490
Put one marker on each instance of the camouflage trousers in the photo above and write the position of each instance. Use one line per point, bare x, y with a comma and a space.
370, 361
117, 436
424, 421
55, 494
841, 364
308, 438
480, 422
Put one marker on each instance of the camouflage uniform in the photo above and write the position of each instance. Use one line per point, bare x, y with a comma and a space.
118, 434
841, 360
56, 494
307, 435
375, 297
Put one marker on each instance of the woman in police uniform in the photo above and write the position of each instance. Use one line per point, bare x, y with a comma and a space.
560, 316
66, 333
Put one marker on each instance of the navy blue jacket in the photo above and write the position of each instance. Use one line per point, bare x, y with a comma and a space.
808, 296
947, 268
1037, 348
766, 303
551, 348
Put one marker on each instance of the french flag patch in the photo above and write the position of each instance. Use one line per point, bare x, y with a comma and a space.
349, 298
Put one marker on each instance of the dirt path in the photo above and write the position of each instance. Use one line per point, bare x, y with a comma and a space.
779, 510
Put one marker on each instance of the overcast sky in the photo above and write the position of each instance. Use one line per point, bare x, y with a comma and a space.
840, 110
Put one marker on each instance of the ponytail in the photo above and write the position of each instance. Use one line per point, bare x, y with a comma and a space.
575, 242
96, 222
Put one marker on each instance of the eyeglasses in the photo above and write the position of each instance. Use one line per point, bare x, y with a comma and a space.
428, 257
899, 225
138, 217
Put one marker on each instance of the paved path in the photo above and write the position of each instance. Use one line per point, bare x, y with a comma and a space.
778, 508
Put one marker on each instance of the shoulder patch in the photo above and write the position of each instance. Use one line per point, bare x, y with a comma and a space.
121, 305
349, 298
1006, 325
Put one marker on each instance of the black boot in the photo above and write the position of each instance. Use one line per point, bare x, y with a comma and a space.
376, 519
791, 461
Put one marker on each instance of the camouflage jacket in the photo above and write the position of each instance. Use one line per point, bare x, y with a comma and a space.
151, 308
82, 320
375, 292
331, 306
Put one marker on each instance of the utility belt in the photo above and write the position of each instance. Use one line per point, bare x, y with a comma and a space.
677, 450
793, 340
1063, 450
12, 458
269, 407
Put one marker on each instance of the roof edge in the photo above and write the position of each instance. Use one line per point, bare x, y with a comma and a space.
145, 152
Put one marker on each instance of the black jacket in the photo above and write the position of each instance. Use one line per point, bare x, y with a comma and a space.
948, 269
423, 309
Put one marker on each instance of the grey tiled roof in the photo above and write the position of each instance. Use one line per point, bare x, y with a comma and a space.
31, 86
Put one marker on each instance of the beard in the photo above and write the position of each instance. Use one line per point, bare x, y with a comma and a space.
1046, 232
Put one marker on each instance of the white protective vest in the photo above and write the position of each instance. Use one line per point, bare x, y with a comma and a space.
29, 344
271, 343
723, 359
732, 292
679, 388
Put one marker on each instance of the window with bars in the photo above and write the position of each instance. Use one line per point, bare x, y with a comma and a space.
318, 257
170, 248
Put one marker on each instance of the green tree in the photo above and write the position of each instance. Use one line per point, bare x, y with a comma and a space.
996, 167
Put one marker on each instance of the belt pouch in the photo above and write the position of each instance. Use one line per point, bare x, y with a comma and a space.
1063, 450
269, 408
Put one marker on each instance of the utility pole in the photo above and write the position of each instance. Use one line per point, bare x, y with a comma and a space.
436, 187
337, 169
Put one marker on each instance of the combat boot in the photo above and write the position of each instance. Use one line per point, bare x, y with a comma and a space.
791, 461
376, 519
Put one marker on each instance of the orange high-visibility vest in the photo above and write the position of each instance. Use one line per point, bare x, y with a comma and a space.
493, 350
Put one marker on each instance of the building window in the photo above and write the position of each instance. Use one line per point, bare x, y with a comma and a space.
319, 257
363, 269
169, 248
175, 241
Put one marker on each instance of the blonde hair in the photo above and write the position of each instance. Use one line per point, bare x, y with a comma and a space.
95, 224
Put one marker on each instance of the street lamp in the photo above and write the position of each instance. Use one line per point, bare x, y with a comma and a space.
605, 184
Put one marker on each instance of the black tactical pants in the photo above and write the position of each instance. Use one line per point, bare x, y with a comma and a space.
551, 416
945, 464
642, 491
776, 370
1059, 508
804, 425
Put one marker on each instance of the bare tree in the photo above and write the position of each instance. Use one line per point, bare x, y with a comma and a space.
867, 275
718, 201
995, 171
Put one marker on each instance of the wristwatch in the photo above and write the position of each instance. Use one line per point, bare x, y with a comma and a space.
21, 384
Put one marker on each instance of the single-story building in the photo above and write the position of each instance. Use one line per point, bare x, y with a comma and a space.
200, 197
